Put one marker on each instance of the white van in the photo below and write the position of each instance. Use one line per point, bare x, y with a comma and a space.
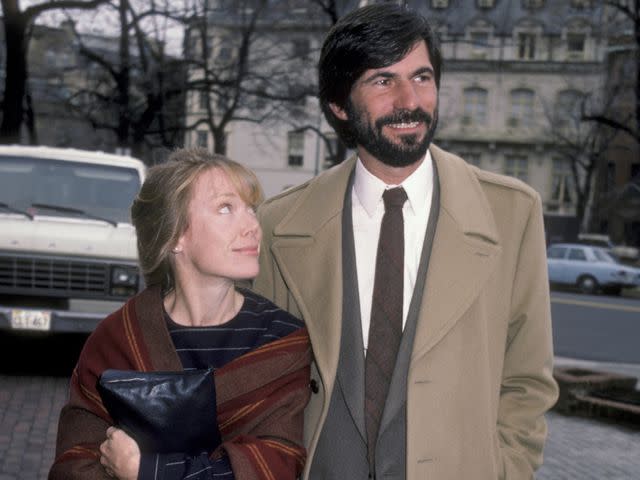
67, 248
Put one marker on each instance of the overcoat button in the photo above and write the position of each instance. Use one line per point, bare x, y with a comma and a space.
314, 386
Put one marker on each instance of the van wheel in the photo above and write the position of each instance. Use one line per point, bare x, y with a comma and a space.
588, 284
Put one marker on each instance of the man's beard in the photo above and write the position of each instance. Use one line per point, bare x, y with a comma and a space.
408, 151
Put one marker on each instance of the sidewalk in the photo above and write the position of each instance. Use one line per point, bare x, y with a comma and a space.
591, 448
577, 448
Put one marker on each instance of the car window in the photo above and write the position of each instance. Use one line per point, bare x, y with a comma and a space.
556, 252
577, 254
603, 256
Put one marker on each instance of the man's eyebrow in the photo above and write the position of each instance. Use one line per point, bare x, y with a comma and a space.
387, 74
422, 70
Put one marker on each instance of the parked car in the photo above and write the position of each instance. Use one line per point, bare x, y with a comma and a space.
590, 269
624, 253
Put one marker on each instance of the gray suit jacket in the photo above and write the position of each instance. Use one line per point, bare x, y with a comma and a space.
345, 423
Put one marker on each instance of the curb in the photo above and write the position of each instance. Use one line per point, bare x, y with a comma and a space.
598, 394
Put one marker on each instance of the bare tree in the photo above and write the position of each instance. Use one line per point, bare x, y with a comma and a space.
581, 146
136, 90
16, 24
624, 16
240, 70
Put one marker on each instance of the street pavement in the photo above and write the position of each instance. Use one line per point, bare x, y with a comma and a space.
591, 448
577, 448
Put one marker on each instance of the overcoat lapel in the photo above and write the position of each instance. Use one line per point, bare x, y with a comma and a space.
463, 256
351, 368
307, 247
397, 397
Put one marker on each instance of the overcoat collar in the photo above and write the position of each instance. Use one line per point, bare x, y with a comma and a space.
461, 197
307, 247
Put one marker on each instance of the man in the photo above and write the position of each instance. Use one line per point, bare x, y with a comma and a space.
433, 360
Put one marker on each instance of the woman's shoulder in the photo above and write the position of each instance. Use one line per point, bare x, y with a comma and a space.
272, 316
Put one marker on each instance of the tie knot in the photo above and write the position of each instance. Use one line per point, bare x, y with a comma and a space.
394, 197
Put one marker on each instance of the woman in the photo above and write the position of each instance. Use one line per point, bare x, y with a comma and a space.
197, 236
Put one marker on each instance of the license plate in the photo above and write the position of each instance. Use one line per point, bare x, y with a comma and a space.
30, 320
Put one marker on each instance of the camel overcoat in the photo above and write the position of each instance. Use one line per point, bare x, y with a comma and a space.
480, 375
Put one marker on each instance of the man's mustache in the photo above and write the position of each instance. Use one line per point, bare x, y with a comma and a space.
405, 116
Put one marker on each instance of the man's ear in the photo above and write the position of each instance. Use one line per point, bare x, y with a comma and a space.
338, 111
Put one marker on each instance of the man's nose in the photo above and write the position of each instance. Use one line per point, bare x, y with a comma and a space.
406, 96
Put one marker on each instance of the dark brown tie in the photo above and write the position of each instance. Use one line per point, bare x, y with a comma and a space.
385, 331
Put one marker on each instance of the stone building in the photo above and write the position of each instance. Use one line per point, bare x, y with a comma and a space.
515, 74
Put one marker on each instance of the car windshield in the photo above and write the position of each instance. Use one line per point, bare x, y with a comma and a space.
94, 191
604, 256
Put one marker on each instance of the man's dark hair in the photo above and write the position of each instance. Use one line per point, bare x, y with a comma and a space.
374, 36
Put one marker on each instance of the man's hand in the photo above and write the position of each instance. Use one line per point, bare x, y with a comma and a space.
120, 455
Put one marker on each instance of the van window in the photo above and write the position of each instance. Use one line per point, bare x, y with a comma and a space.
102, 190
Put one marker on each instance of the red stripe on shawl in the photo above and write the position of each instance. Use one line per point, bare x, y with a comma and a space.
133, 339
298, 453
296, 339
259, 460
269, 459
294, 343
91, 395
80, 451
295, 451
235, 413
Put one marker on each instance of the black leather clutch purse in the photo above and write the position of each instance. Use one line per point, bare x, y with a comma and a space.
164, 412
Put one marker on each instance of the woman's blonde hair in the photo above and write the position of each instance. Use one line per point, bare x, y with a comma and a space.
159, 212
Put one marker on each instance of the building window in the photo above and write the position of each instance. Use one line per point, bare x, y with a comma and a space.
485, 3
561, 182
202, 139
439, 3
526, 46
472, 158
568, 108
475, 106
479, 38
224, 53
295, 148
221, 102
479, 43
532, 3
581, 4
517, 166
521, 108
610, 183
575, 46
202, 100
330, 149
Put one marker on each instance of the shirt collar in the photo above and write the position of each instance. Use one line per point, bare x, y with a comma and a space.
419, 187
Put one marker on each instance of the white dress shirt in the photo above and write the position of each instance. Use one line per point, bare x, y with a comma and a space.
367, 212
